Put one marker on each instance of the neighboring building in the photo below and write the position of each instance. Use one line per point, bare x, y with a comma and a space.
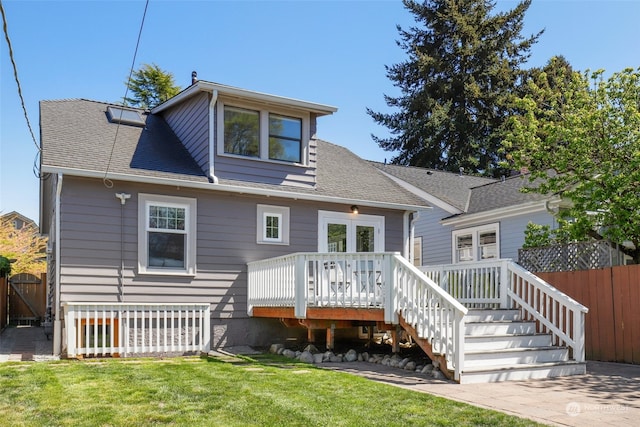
473, 218
18, 221
169, 206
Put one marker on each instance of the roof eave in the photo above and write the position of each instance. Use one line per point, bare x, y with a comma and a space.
204, 86
237, 189
462, 220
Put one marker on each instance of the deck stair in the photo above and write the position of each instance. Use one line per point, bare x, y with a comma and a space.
500, 346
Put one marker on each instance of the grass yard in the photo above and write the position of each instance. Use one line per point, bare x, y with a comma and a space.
262, 391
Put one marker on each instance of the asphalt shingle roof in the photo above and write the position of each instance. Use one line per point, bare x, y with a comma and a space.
502, 194
77, 134
446, 186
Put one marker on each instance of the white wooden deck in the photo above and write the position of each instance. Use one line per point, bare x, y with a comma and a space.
431, 303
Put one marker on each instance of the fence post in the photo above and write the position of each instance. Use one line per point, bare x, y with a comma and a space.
391, 300
207, 329
504, 283
300, 287
70, 326
4, 292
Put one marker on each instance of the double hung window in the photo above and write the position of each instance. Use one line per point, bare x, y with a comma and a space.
166, 235
476, 244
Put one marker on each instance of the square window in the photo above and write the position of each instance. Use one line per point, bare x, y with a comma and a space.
241, 131
272, 225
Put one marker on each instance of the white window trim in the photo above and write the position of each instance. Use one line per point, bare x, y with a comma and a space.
475, 245
351, 221
264, 131
262, 212
190, 205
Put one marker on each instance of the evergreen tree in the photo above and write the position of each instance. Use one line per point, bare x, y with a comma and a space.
150, 86
463, 66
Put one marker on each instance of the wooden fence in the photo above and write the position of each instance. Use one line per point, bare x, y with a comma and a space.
4, 292
612, 326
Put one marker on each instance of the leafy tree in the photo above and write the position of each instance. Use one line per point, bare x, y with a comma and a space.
463, 66
150, 86
25, 245
5, 267
585, 147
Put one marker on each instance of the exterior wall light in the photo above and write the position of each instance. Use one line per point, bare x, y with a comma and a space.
354, 209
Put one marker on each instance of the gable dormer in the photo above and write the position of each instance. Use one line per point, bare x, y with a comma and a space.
241, 135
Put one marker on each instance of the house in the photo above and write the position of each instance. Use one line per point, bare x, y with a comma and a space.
219, 219
169, 205
473, 218
18, 221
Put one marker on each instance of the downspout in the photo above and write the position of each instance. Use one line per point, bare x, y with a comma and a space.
57, 323
408, 227
212, 134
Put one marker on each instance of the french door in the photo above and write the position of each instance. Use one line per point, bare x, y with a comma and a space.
342, 232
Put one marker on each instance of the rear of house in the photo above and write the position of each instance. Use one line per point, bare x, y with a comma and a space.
158, 213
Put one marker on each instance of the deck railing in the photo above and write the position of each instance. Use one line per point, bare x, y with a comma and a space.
124, 329
504, 284
362, 280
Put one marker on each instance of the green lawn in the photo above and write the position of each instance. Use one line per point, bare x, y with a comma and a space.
263, 391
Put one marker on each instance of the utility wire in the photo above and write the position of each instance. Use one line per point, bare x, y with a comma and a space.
106, 181
15, 76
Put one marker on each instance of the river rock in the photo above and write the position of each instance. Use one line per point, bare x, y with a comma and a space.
306, 357
275, 347
351, 356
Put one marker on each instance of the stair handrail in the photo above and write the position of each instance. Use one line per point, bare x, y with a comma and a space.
435, 315
555, 311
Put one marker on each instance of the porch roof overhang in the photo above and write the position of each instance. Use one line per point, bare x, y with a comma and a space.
204, 184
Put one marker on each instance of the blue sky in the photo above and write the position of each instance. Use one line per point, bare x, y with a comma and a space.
330, 52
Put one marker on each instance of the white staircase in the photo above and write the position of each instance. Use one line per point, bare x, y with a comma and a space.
500, 346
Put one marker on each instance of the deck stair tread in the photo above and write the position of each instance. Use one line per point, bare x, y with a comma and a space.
515, 349
519, 366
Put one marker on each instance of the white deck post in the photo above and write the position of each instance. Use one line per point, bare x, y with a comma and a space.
391, 294
504, 283
578, 335
458, 345
301, 286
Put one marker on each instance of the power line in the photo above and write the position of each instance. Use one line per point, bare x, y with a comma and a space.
15, 75
107, 182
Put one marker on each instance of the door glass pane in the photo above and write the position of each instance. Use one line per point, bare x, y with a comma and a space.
337, 237
364, 238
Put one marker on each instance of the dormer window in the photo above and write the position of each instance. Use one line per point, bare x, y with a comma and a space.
241, 131
251, 131
285, 138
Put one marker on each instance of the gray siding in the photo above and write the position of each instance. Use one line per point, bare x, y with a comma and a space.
436, 238
512, 231
277, 173
190, 122
226, 241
